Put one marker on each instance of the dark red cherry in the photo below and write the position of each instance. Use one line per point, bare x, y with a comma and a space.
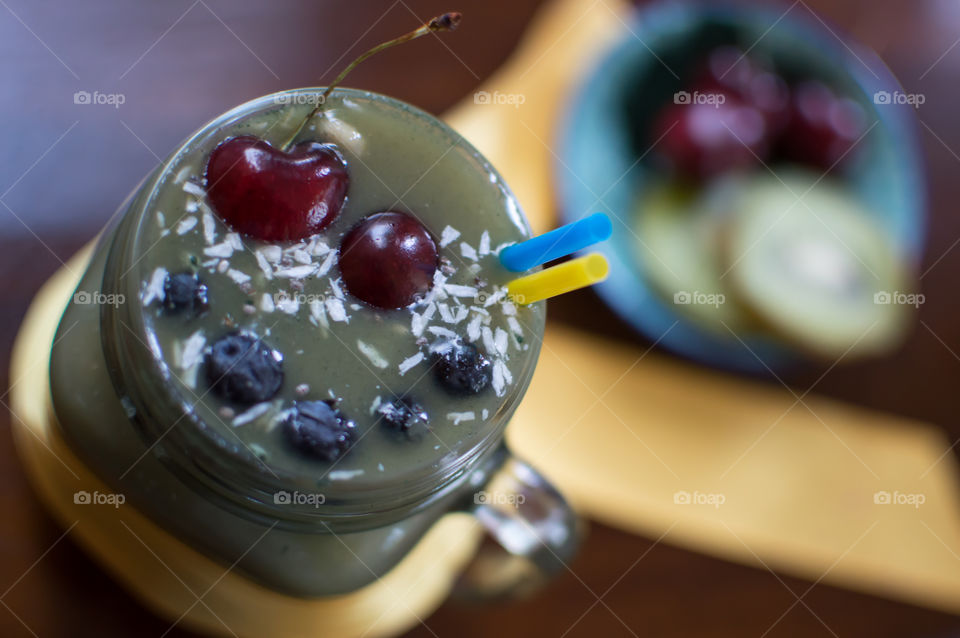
823, 126
274, 195
769, 92
729, 69
388, 259
701, 139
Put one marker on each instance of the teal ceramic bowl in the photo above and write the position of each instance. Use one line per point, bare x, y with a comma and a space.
599, 148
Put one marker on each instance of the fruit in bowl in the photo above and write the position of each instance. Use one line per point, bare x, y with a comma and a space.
741, 229
738, 113
680, 65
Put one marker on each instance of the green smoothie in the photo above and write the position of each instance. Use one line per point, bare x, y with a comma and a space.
219, 461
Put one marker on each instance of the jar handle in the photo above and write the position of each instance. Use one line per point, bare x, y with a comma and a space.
536, 531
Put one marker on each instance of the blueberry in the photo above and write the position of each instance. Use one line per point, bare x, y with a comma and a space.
461, 369
405, 417
184, 291
318, 429
242, 369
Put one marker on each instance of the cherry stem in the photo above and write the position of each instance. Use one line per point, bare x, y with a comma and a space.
445, 22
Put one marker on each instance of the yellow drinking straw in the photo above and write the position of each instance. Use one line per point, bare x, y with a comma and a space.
571, 275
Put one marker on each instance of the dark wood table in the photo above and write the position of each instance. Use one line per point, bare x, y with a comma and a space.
64, 167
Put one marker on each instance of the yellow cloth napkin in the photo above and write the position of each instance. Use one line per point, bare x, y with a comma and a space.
730, 467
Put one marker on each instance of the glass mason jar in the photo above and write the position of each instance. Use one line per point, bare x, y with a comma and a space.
125, 412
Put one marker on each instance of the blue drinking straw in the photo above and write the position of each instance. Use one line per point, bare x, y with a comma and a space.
557, 243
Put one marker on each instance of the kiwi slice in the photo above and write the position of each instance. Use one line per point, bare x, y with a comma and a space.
813, 264
677, 246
